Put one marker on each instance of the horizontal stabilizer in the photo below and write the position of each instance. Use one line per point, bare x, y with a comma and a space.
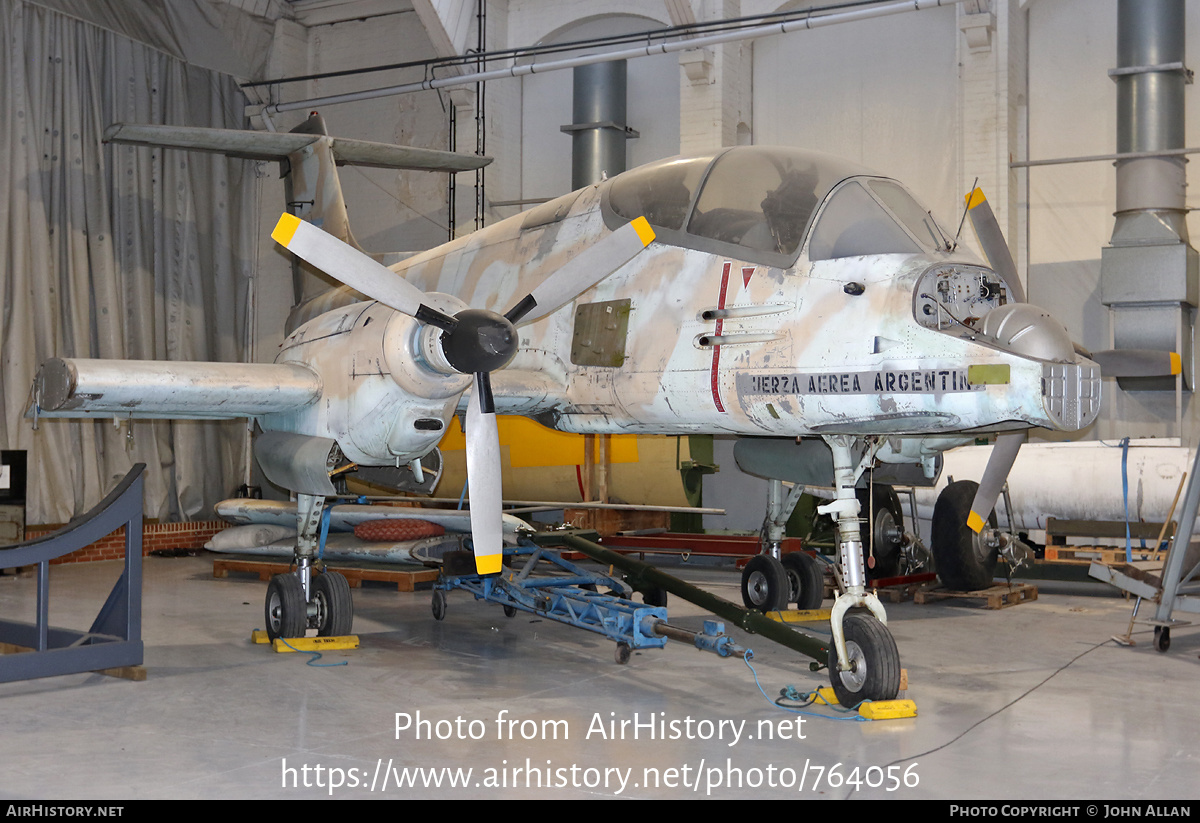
170, 389
265, 145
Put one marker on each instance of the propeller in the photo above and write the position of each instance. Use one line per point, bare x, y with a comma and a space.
473, 341
1136, 362
991, 239
1113, 363
995, 473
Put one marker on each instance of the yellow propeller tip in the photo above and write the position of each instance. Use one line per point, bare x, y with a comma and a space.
644, 232
975, 198
1176, 363
488, 563
285, 229
975, 522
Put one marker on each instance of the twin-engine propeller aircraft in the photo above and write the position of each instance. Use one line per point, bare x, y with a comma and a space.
758, 292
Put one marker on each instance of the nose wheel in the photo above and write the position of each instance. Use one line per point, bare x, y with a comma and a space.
873, 662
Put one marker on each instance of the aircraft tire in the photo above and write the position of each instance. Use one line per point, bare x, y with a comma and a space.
1162, 638
765, 584
286, 613
889, 518
655, 597
963, 563
876, 675
806, 580
335, 605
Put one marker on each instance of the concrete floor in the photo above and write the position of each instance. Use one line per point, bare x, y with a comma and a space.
1029, 702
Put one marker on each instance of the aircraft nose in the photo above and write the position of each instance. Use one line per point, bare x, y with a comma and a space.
1027, 330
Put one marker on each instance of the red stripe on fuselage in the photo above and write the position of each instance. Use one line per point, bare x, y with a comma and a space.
716, 360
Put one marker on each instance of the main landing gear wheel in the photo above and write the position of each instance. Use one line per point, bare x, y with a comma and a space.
1162, 638
655, 597
806, 580
887, 529
874, 672
335, 606
964, 562
764, 584
286, 612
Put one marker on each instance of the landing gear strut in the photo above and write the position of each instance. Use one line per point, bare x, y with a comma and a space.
772, 579
298, 601
863, 661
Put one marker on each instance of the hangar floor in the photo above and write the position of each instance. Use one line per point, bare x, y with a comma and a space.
1030, 702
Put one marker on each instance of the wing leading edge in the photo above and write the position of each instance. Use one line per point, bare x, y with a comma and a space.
170, 389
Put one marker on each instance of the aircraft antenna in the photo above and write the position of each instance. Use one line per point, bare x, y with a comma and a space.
963, 219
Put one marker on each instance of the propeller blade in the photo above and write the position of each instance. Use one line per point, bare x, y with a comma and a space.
1137, 363
483, 478
983, 220
356, 269
583, 271
1004, 453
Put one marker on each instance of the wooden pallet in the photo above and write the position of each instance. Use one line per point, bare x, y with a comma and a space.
406, 580
997, 597
1108, 555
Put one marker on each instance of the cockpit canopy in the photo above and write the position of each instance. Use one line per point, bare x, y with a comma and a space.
757, 203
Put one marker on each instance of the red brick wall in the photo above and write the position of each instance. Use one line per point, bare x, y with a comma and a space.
154, 536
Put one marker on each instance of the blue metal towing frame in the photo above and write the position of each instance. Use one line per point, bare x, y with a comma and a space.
570, 596
566, 598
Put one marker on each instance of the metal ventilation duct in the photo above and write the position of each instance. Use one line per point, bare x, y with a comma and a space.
1148, 273
598, 133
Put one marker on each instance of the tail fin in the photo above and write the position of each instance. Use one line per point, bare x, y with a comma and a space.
308, 159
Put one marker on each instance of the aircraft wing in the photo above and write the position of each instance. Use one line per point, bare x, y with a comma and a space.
169, 389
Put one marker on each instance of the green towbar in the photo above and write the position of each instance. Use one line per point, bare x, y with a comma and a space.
645, 577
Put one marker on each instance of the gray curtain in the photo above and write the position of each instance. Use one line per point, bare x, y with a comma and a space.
116, 252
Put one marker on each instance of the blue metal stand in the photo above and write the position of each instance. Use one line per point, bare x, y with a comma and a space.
115, 638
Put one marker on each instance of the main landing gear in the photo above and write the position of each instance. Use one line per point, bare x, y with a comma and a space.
772, 580
298, 601
966, 561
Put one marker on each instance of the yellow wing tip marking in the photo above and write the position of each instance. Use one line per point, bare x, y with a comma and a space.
975, 198
488, 563
644, 232
975, 522
285, 229
1176, 363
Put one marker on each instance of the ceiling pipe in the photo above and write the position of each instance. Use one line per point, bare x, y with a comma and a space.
686, 44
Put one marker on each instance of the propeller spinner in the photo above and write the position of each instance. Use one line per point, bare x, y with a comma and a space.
473, 341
